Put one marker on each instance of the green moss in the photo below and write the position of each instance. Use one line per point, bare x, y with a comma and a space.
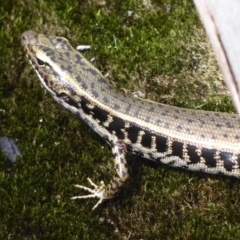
163, 52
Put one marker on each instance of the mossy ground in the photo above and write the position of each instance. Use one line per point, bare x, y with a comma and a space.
160, 48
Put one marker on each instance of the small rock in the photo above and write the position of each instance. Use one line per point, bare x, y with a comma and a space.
10, 148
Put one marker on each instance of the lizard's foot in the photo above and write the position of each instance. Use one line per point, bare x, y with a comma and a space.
96, 192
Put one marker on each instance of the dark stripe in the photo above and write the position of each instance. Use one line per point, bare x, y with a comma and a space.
191, 150
161, 143
119, 134
117, 123
84, 106
133, 133
177, 149
99, 114
208, 155
146, 140
227, 158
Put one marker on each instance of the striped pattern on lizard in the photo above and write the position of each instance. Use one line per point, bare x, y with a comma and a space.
190, 139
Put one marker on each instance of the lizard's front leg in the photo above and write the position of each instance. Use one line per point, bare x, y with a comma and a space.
103, 192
